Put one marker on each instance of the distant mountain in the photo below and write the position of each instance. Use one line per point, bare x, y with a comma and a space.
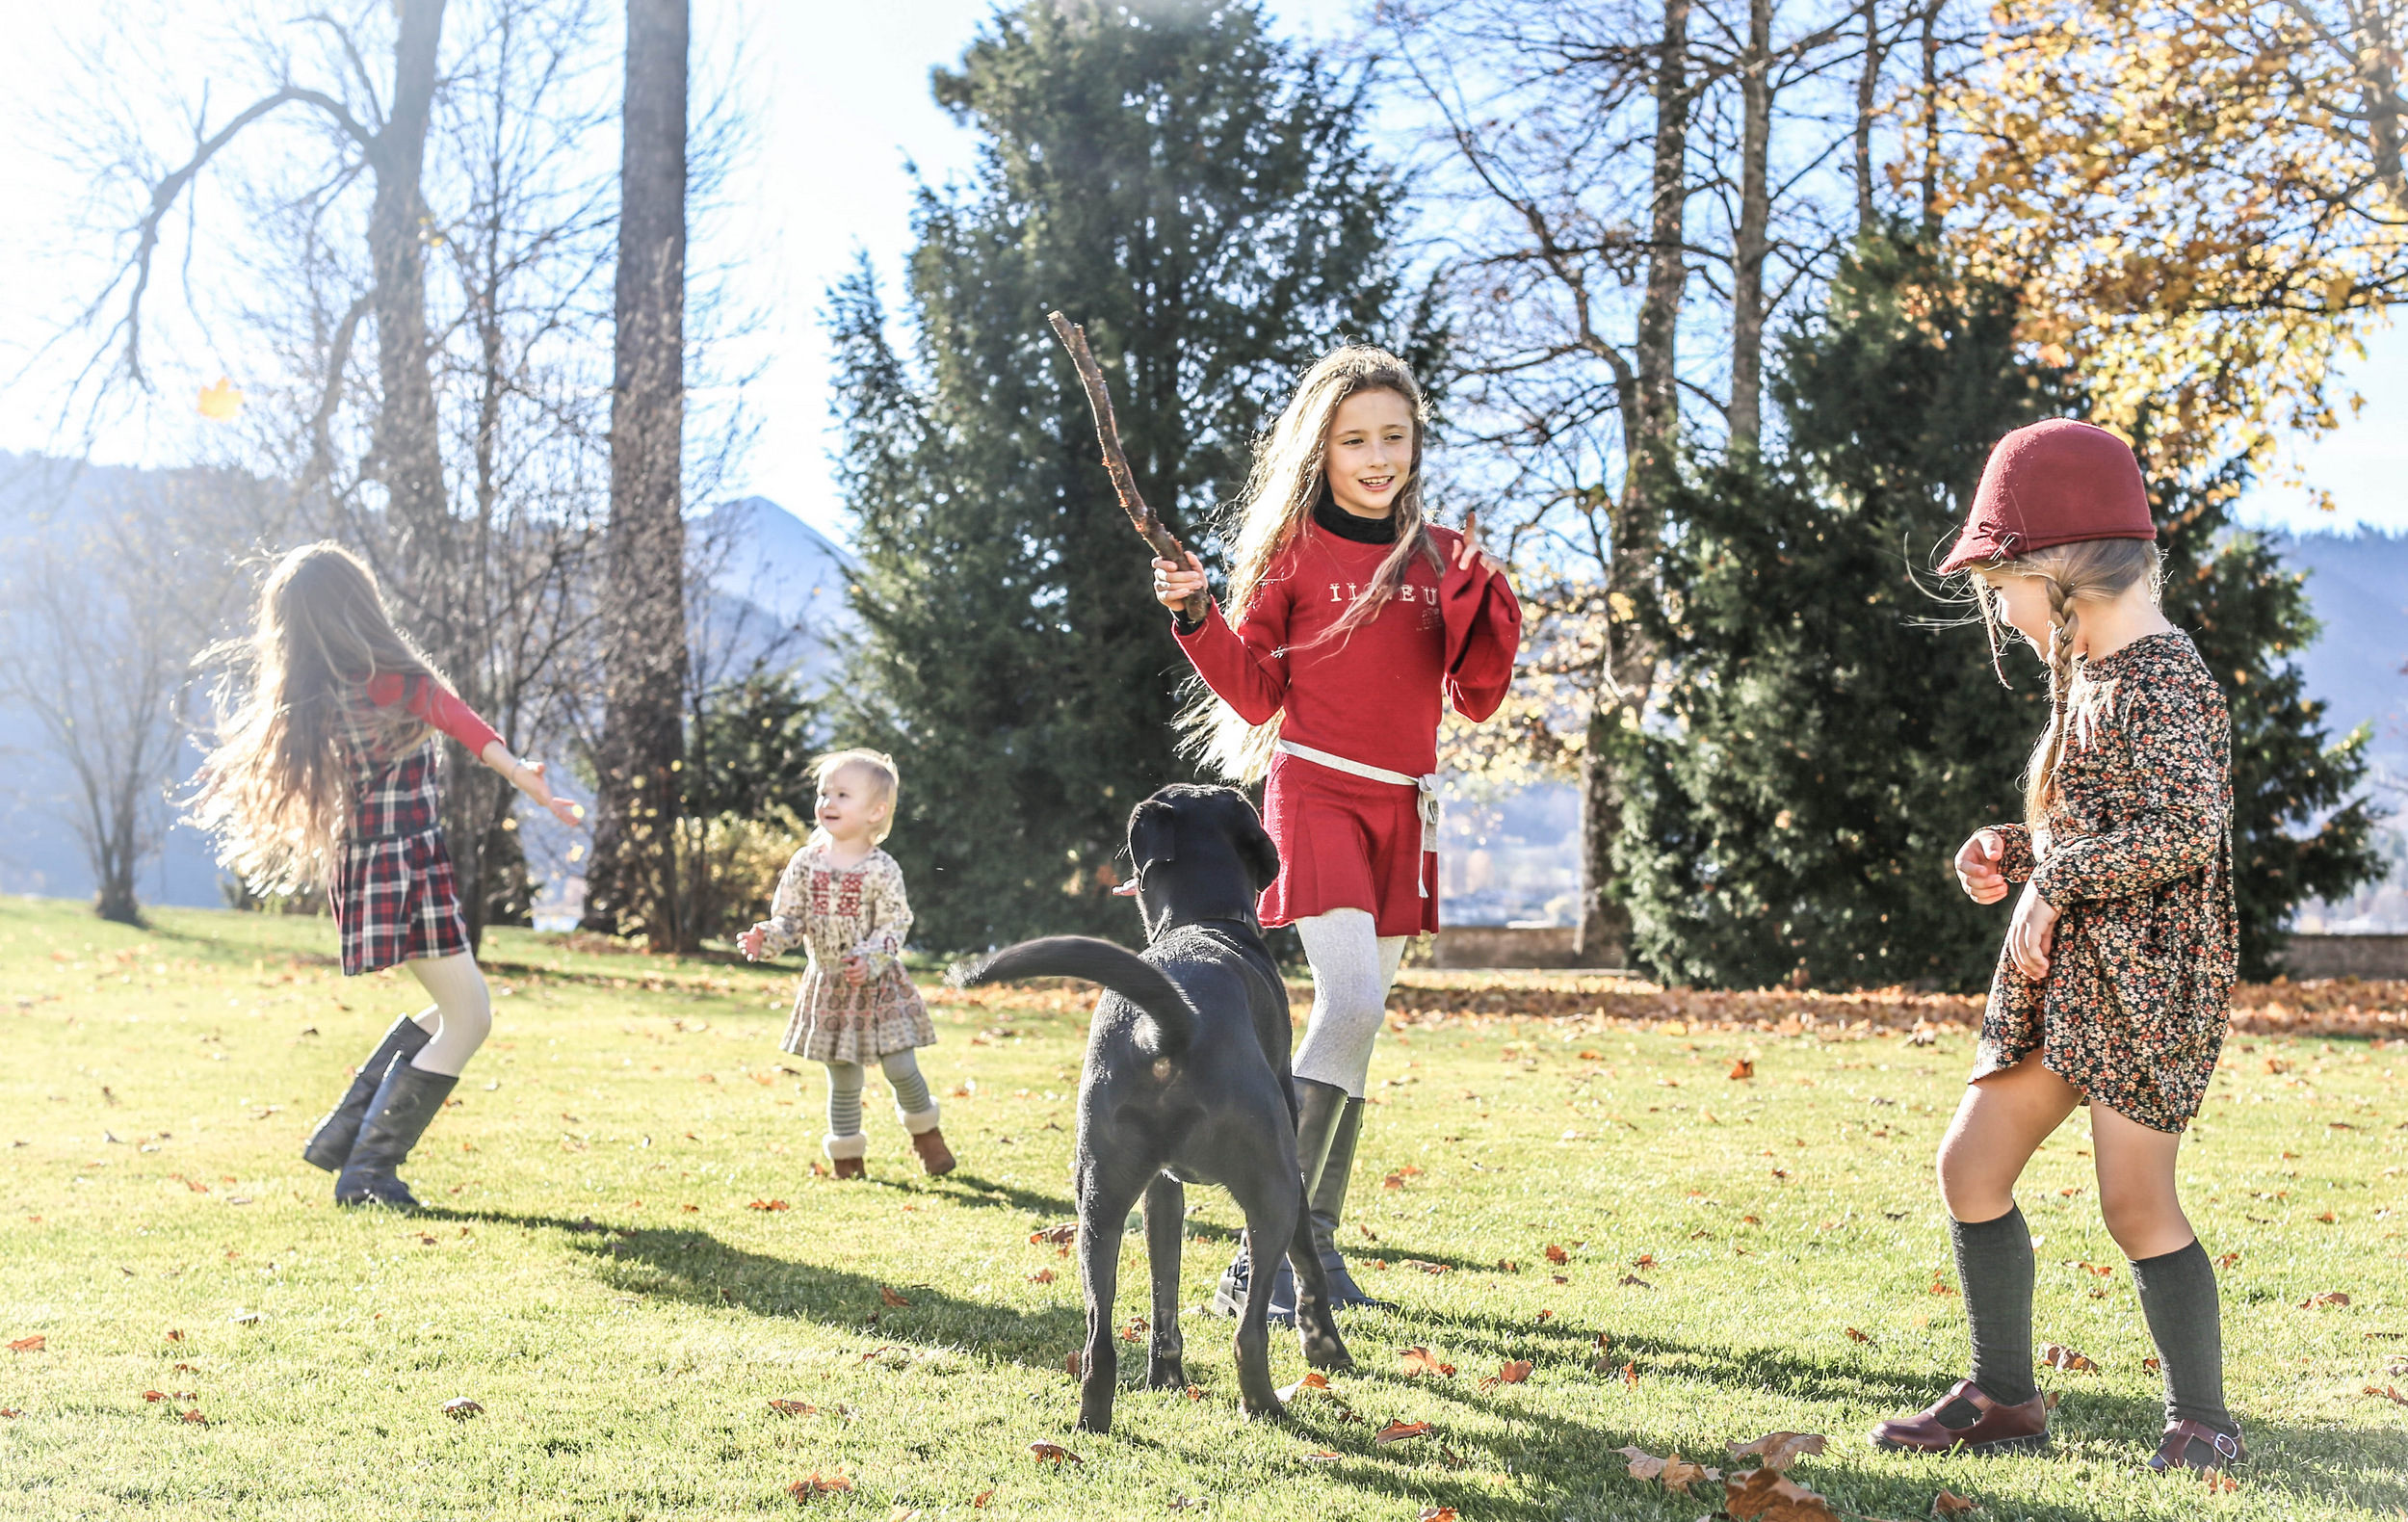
779, 591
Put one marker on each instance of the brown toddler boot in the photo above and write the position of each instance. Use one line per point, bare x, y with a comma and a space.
927, 1141
847, 1153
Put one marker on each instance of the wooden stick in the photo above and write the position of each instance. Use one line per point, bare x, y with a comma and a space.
1115, 462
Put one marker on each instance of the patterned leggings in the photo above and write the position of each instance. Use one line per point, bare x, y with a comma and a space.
843, 1090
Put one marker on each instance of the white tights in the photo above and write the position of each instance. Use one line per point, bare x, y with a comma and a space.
461, 1018
1352, 966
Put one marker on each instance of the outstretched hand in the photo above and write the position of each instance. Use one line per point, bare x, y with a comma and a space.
571, 814
1470, 549
752, 942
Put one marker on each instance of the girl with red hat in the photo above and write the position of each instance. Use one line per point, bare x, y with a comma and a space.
2112, 990
1357, 619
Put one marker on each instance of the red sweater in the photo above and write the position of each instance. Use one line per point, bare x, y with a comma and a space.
1373, 696
436, 704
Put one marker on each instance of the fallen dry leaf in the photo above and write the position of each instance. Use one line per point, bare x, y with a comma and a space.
1514, 1371
768, 1204
1778, 1451
1041, 1276
1323, 1456
887, 1297
2059, 1356
1742, 1069
1676, 1473
1853, 1335
1400, 1431
1314, 1381
793, 1407
172, 1335
461, 1408
219, 403
1630, 1374
33, 1344
2227, 1260
1948, 1504
2151, 1364
2387, 1392
1438, 1514
1421, 1360
1195, 1392
1555, 1254
2321, 1298
978, 1503
194, 1417
1774, 1497
1053, 1453
2218, 1480
10, 1413
1068, 1231
1070, 1362
816, 1484
904, 1512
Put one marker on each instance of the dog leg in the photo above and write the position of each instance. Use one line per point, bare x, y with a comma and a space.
1166, 1222
1271, 1215
1315, 1322
1101, 1223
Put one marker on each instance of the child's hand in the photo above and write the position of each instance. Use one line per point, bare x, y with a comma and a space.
573, 815
1470, 549
856, 968
2031, 936
1978, 866
1172, 585
751, 942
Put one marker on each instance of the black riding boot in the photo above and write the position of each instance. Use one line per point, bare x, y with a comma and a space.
1321, 1108
330, 1144
1328, 1203
396, 1118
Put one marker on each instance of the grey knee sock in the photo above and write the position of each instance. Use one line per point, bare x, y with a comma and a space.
903, 1072
2178, 1298
843, 1099
1994, 1268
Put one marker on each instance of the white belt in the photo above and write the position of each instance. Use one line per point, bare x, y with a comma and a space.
1427, 803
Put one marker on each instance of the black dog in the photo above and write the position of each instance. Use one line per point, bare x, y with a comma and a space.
1186, 1082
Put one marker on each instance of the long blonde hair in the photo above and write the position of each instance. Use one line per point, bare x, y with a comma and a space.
1275, 512
275, 790
2087, 571
880, 765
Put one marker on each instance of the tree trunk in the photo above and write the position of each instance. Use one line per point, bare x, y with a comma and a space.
631, 887
1868, 88
1751, 238
1931, 120
1628, 664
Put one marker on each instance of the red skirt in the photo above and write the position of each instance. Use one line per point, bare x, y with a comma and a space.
1347, 843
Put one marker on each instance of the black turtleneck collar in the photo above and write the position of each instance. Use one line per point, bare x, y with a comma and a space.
1346, 526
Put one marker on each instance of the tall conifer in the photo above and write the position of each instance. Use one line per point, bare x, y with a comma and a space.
1202, 198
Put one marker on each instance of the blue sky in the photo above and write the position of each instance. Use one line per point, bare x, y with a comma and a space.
841, 92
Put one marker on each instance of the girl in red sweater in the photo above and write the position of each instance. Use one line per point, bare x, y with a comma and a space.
325, 778
1357, 620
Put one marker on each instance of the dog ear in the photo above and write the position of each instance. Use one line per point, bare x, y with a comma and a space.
1153, 833
1260, 854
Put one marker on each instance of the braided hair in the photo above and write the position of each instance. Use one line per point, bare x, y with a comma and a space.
2087, 571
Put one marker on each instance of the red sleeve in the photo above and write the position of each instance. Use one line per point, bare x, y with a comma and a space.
1247, 666
1483, 636
436, 704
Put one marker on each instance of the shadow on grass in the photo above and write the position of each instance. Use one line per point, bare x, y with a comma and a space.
692, 1266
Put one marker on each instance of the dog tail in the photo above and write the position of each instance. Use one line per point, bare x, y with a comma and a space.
1083, 957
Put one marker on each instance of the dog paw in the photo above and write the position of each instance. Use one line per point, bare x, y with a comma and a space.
1270, 1410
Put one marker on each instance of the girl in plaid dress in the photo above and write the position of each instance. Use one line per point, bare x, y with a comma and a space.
2113, 988
325, 778
840, 899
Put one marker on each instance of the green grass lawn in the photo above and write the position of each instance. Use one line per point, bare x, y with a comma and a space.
595, 1271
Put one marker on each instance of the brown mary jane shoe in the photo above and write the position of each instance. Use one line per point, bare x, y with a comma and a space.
2197, 1447
2000, 1429
935, 1155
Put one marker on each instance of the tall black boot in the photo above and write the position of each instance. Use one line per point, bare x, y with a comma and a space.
330, 1144
396, 1118
1320, 1109
1328, 1202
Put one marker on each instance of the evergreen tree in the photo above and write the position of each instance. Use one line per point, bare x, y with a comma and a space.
1829, 747
1202, 198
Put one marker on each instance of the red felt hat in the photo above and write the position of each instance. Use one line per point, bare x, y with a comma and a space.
2052, 483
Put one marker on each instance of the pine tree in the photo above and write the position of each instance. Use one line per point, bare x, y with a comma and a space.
1202, 198
1829, 748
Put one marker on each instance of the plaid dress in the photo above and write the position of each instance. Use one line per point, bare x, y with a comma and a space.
395, 896
831, 912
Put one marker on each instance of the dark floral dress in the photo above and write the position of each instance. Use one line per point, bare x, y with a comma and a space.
2136, 857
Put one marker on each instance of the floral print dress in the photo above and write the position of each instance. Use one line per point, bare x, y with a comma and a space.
831, 912
2136, 856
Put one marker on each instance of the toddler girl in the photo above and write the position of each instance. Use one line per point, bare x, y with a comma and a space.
2113, 988
840, 899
